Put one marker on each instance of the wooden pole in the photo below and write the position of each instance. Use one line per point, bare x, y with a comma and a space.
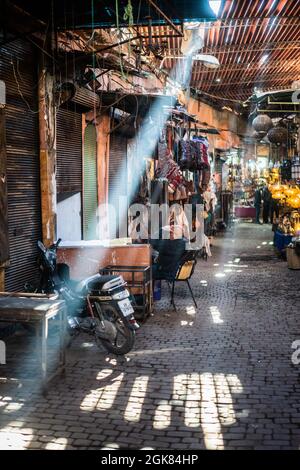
47, 128
103, 141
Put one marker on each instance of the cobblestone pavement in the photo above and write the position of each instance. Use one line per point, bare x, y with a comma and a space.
218, 377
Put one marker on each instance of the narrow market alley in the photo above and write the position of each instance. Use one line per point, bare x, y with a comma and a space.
217, 377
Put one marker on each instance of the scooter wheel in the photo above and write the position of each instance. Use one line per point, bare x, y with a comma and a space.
122, 340
126, 346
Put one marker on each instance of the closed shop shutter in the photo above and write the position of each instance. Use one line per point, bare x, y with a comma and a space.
69, 173
18, 71
117, 180
69, 151
90, 184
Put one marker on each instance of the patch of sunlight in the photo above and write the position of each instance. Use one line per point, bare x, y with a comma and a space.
236, 265
216, 314
109, 394
239, 271
136, 399
11, 441
87, 345
237, 260
16, 424
102, 398
243, 414
220, 275
143, 352
216, 264
211, 427
62, 442
234, 383
147, 448
203, 281
228, 270
190, 310
12, 407
230, 262
110, 445
186, 323
162, 417
179, 386
258, 247
224, 400
104, 373
192, 416
111, 360
271, 243
264, 243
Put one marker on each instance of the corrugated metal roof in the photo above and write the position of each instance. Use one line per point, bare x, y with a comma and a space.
257, 43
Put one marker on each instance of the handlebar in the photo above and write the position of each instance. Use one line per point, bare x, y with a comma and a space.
43, 248
57, 243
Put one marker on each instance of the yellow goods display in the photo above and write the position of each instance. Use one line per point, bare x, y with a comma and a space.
287, 195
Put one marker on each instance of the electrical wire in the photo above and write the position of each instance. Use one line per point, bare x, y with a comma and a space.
119, 32
19, 89
200, 92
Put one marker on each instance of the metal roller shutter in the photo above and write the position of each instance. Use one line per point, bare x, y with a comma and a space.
69, 151
117, 176
90, 203
18, 70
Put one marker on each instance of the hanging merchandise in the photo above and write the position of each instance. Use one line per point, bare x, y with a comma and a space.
169, 169
286, 170
162, 148
262, 124
205, 176
194, 154
201, 144
278, 135
295, 168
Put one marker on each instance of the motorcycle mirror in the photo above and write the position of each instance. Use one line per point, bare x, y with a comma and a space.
41, 246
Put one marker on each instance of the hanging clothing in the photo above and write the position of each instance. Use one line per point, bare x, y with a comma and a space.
210, 200
206, 245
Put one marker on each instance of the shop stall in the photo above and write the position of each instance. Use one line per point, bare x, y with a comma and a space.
286, 214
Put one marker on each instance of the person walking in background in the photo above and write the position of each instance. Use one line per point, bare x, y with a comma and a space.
257, 204
266, 196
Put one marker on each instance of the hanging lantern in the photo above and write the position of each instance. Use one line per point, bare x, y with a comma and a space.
278, 135
259, 135
278, 195
262, 123
294, 202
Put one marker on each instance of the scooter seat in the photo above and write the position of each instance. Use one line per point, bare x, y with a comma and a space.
96, 282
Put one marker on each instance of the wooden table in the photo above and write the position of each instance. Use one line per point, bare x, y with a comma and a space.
37, 311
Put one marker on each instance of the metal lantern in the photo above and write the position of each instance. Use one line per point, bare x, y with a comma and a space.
262, 123
278, 135
259, 135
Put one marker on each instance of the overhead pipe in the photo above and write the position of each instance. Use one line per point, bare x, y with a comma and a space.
209, 61
282, 102
279, 111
